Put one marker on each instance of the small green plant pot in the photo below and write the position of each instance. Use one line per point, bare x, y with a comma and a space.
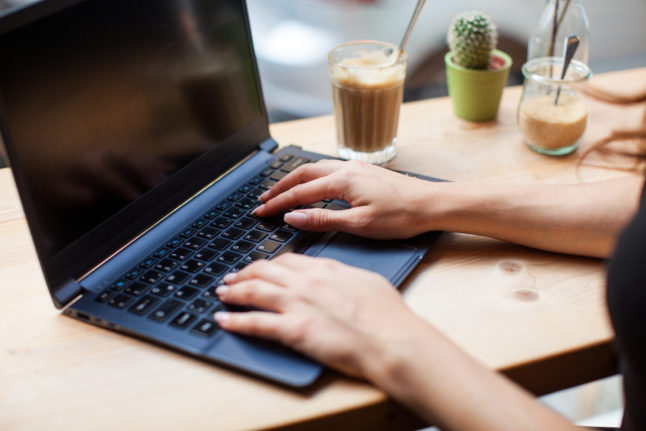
476, 93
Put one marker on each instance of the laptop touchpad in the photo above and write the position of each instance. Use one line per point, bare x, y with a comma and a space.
388, 258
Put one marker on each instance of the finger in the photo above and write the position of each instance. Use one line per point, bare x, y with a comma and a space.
254, 323
266, 270
352, 220
301, 194
253, 293
302, 174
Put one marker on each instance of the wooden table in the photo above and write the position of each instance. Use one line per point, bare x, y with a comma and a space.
546, 327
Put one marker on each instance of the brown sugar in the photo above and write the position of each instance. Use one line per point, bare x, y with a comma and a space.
550, 126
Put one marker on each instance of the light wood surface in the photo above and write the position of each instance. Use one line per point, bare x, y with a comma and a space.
544, 325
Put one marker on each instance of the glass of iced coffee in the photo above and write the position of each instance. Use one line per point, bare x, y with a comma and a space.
367, 90
552, 115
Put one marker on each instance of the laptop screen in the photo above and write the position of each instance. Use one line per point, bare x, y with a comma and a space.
104, 100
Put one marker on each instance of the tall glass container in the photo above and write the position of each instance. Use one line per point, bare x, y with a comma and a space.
558, 20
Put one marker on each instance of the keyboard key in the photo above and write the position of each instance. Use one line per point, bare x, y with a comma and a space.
199, 223
192, 265
195, 243
201, 280
255, 193
215, 269
220, 243
165, 310
278, 175
269, 246
256, 255
166, 265
247, 204
245, 223
242, 246
267, 184
208, 233
200, 305
268, 225
163, 289
119, 284
174, 242
234, 197
181, 254
143, 305
229, 257
294, 163
234, 213
205, 328
336, 207
267, 172
136, 288
119, 301
103, 296
161, 252
133, 273
238, 266
187, 233
276, 164
177, 277
151, 277
233, 233
223, 205
186, 292
205, 255
147, 263
211, 214
256, 180
286, 157
289, 228
182, 320
221, 222
246, 188
280, 235
255, 236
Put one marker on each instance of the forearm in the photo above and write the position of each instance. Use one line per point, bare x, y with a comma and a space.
582, 219
430, 375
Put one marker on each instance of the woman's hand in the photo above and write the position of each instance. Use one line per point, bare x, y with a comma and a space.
339, 315
385, 204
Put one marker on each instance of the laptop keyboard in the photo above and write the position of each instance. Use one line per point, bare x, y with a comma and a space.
176, 284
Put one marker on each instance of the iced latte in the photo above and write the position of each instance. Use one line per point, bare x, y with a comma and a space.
367, 90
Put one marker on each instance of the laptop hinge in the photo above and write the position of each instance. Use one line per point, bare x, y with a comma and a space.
66, 292
268, 145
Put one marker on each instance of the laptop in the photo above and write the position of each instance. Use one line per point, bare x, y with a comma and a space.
139, 143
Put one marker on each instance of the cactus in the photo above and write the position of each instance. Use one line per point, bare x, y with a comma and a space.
472, 37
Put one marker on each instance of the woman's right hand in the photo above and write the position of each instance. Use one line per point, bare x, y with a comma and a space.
384, 204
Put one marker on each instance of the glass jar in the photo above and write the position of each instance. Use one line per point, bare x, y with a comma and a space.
552, 116
571, 19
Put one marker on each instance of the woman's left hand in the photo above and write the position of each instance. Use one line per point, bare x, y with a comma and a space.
337, 314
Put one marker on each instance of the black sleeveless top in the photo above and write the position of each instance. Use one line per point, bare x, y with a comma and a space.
626, 297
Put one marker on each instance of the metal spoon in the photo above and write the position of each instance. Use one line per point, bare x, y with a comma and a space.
411, 24
569, 48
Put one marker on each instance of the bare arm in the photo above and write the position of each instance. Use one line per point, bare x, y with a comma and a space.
335, 314
580, 219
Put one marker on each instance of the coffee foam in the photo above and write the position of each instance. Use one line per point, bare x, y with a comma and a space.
369, 69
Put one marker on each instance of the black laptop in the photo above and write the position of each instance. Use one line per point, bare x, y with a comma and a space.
139, 143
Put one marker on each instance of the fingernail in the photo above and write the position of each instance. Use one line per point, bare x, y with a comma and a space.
221, 316
259, 207
221, 291
263, 196
228, 278
295, 218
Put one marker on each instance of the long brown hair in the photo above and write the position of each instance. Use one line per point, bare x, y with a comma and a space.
636, 136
